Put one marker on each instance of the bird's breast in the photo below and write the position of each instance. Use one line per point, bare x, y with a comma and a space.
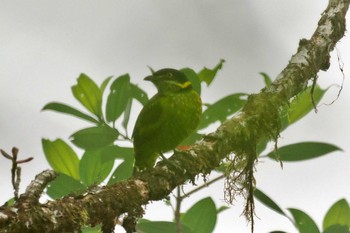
183, 115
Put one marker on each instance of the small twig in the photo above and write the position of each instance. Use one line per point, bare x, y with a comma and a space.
15, 170
178, 210
314, 82
341, 68
179, 198
202, 186
125, 137
6, 155
25, 160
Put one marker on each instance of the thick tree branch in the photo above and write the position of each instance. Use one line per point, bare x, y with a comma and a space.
259, 120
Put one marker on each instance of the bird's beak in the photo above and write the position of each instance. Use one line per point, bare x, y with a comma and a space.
148, 78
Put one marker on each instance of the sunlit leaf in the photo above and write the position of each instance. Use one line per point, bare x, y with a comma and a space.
118, 97
88, 94
223, 108
303, 151
338, 214
207, 75
93, 170
303, 222
94, 137
263, 198
61, 157
64, 185
201, 217
63, 108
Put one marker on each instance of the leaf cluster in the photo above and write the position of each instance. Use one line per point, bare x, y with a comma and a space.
336, 220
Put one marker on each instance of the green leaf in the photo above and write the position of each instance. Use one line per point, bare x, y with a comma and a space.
222, 168
191, 139
222, 209
304, 222
338, 214
116, 152
263, 198
160, 227
303, 151
64, 185
63, 108
10, 202
88, 94
337, 229
207, 75
138, 94
262, 145
127, 114
118, 97
142, 220
61, 157
194, 79
302, 104
201, 217
284, 117
88, 229
123, 171
223, 108
105, 83
94, 137
266, 78
93, 170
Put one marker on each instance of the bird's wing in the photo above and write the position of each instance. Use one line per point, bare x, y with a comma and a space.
149, 119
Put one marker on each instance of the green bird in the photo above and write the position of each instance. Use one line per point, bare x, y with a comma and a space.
167, 118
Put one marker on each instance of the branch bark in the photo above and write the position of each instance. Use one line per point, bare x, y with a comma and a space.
258, 120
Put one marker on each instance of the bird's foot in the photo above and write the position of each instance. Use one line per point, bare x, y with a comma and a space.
168, 162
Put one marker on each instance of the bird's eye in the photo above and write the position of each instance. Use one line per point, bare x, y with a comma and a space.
169, 75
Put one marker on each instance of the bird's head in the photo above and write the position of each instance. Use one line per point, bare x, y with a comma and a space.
169, 80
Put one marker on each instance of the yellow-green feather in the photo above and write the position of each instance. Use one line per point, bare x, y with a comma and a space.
164, 122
